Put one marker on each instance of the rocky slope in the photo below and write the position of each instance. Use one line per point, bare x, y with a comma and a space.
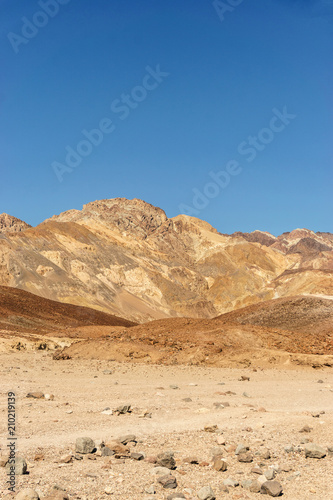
12, 224
127, 258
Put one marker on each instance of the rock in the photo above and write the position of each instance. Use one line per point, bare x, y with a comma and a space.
246, 395
217, 451
210, 428
175, 495
289, 448
137, 456
160, 471
231, 482
270, 474
272, 488
245, 457
306, 428
320, 381
121, 410
257, 470
255, 487
49, 397
220, 440
66, 459
84, 445
107, 452
166, 460
265, 454
35, 395
3, 461
107, 372
172, 386
313, 450
127, 439
219, 406
187, 400
243, 378
206, 493
241, 448
168, 481
119, 449
38, 457
191, 460
27, 494
107, 412
20, 466
150, 490
219, 464
246, 484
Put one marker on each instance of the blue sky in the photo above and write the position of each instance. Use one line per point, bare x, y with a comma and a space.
224, 70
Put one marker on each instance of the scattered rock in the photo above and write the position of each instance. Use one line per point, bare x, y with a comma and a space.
244, 378
231, 482
265, 454
3, 461
257, 470
220, 440
84, 445
206, 493
219, 464
160, 471
175, 495
172, 386
107, 452
313, 450
20, 466
168, 481
191, 460
150, 490
49, 397
166, 459
272, 488
246, 395
187, 400
119, 449
137, 456
35, 395
27, 494
245, 457
127, 438
210, 428
306, 428
121, 410
241, 448
66, 459
270, 474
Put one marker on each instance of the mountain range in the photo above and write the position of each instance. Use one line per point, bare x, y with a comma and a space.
127, 258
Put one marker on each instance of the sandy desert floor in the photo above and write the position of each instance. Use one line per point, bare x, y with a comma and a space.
83, 389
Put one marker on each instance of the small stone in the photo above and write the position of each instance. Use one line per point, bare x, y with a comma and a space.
246, 484
137, 456
245, 457
160, 471
121, 410
261, 480
210, 428
241, 448
256, 470
175, 495
231, 482
107, 412
168, 481
265, 454
20, 466
306, 428
3, 461
220, 440
49, 397
219, 406
270, 474
35, 395
246, 395
150, 490
127, 438
255, 487
107, 452
27, 494
38, 457
206, 493
219, 464
120, 450
84, 445
166, 460
314, 451
191, 460
272, 488
187, 400
107, 372
108, 490
320, 381
172, 386
243, 378
289, 448
66, 459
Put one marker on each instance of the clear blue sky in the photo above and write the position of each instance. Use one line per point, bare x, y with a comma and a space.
227, 71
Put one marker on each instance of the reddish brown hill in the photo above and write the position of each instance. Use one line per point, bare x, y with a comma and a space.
22, 311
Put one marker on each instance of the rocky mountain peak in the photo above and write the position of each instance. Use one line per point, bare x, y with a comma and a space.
8, 223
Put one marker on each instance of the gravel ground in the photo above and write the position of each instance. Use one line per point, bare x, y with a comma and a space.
47, 429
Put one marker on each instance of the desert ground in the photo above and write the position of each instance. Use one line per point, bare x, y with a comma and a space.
170, 407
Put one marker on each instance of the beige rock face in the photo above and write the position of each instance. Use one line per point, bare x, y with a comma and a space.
125, 257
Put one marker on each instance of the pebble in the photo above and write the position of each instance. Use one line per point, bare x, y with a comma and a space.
272, 488
231, 482
270, 474
27, 494
241, 448
160, 471
206, 493
313, 450
166, 459
219, 464
168, 481
35, 395
20, 466
84, 445
245, 457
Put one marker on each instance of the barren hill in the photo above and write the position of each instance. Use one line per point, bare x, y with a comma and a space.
8, 223
21, 311
127, 258
275, 331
